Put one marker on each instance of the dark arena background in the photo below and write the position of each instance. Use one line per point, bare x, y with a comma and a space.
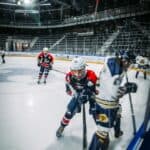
91, 27
69, 28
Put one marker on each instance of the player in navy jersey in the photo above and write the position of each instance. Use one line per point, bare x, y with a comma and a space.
107, 112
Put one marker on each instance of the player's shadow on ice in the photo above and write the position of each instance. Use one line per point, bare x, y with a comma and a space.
66, 143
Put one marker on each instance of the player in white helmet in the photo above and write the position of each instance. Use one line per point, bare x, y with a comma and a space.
45, 62
81, 86
77, 68
142, 63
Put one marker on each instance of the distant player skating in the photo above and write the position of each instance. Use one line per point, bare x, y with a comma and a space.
45, 61
2, 53
142, 65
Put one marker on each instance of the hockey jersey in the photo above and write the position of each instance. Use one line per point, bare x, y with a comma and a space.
45, 59
79, 85
142, 61
111, 78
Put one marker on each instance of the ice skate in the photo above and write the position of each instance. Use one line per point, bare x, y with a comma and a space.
44, 81
38, 82
60, 131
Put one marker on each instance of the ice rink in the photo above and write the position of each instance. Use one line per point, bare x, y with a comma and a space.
30, 113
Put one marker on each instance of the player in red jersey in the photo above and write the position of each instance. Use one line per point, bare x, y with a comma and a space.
81, 85
45, 61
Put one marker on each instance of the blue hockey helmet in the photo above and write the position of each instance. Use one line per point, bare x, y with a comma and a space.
127, 55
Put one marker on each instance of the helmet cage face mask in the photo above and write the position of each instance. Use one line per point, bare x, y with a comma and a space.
45, 50
79, 74
125, 63
78, 68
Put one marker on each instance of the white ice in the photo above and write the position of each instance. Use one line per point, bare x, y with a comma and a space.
30, 114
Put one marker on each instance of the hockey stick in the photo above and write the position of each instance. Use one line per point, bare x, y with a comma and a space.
84, 129
132, 110
59, 71
83, 118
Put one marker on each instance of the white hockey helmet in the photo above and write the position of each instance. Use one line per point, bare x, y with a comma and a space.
78, 68
78, 64
45, 49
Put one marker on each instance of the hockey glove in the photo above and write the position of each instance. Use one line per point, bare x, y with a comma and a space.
84, 96
90, 84
69, 92
91, 87
131, 87
147, 67
68, 89
121, 92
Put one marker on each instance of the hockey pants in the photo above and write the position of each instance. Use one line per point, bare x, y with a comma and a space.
45, 71
106, 118
100, 141
137, 73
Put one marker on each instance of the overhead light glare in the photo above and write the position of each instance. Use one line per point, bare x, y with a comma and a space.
25, 2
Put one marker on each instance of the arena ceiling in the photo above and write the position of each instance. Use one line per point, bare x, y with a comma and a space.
46, 7
46, 4
78, 5
84, 6
50, 11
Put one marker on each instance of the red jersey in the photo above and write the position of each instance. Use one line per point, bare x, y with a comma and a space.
45, 59
79, 85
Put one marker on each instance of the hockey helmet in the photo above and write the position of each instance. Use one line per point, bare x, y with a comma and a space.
78, 67
45, 49
127, 59
78, 64
127, 55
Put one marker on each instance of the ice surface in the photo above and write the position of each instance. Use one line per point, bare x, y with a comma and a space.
30, 113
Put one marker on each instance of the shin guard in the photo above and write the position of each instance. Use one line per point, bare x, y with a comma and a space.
100, 141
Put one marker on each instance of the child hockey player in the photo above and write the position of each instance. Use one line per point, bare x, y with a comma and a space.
45, 61
81, 85
107, 112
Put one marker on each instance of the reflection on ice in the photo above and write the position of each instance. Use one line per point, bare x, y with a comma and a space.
31, 113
